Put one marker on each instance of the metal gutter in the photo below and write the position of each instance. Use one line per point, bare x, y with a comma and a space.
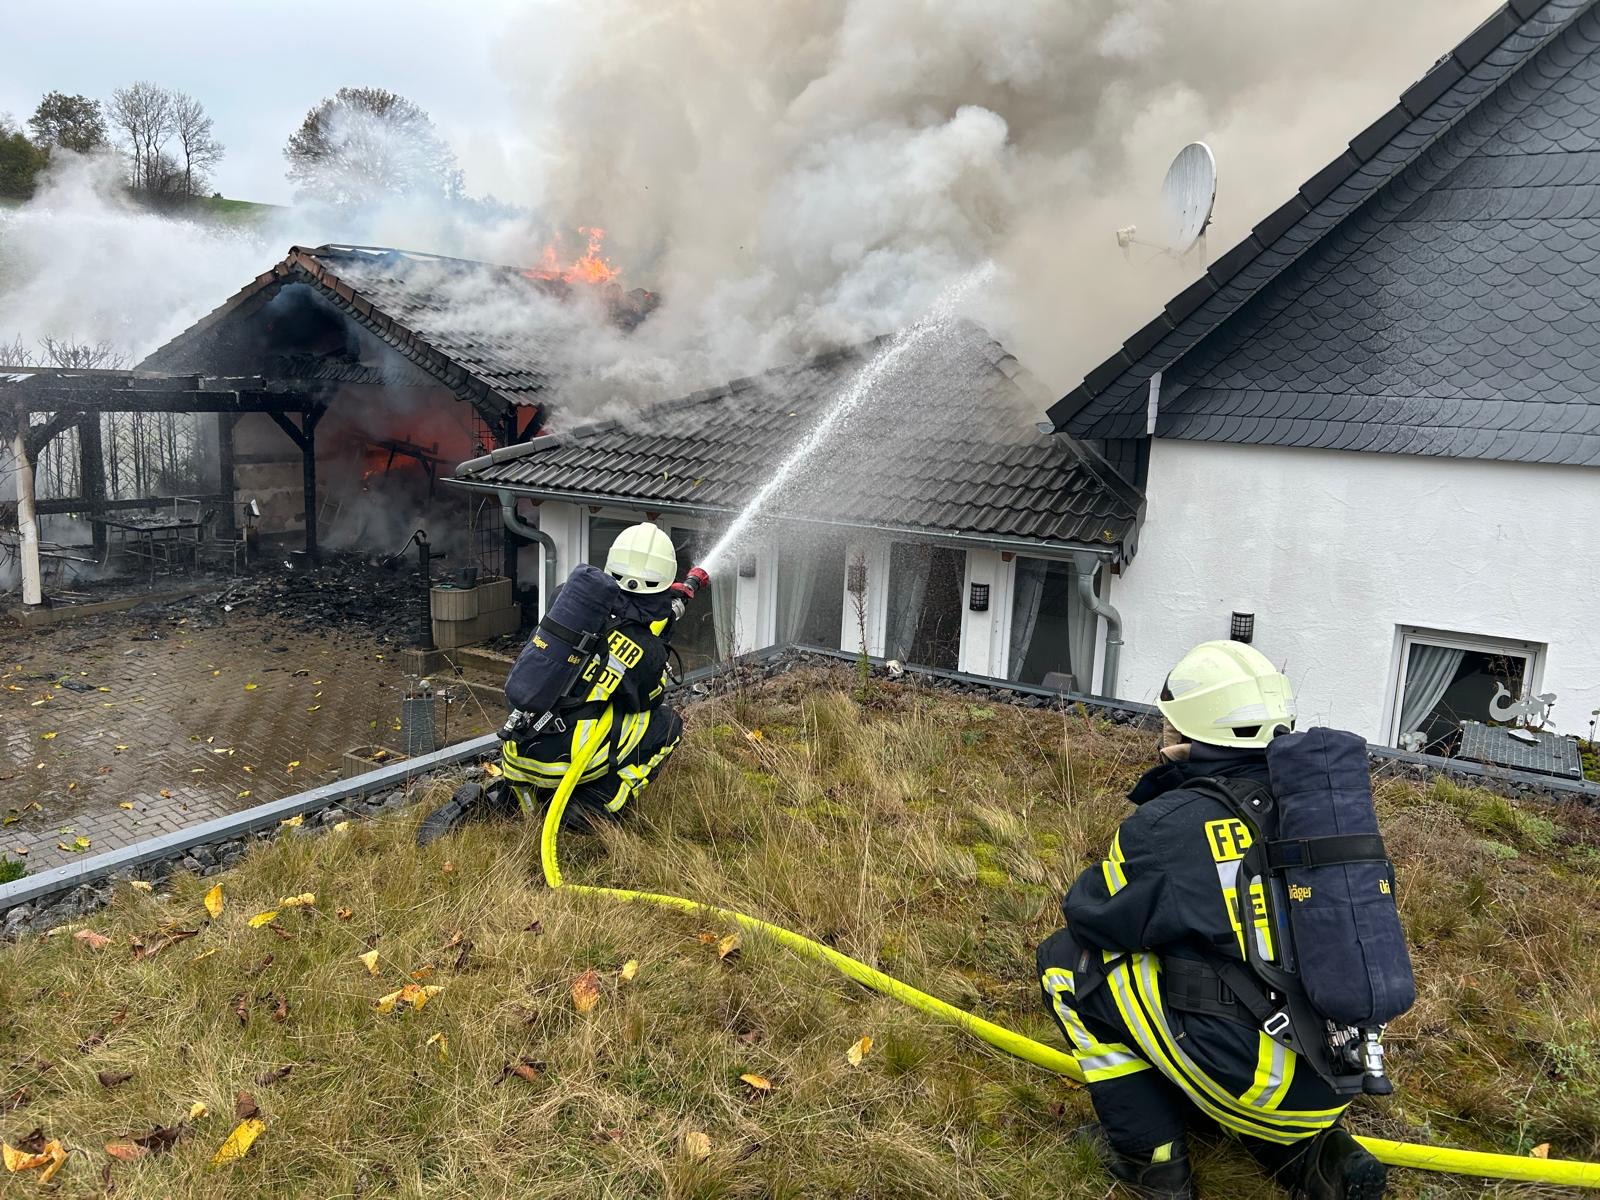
532, 533
1095, 604
1106, 552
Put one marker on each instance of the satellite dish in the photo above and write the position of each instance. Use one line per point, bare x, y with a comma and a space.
1188, 193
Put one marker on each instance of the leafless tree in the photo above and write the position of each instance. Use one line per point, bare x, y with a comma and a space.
363, 144
201, 150
144, 114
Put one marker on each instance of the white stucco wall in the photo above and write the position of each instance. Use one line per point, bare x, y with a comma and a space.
1334, 550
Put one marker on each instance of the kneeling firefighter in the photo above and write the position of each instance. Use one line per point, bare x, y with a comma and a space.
598, 659
1233, 960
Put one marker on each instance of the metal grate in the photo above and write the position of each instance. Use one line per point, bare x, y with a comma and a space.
1552, 754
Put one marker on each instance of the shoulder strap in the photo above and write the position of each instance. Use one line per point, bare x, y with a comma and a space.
1250, 799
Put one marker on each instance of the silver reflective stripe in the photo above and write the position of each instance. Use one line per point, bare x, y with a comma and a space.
1269, 1091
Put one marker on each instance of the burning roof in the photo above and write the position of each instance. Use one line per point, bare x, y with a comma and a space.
480, 329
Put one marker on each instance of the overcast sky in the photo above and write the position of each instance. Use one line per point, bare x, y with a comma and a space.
259, 65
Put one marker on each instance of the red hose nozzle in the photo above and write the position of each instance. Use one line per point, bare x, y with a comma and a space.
695, 579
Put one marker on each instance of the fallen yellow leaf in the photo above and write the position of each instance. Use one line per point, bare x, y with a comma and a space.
250, 687
755, 735
18, 1160
126, 1151
728, 945
294, 822
629, 970
370, 958
442, 1043
214, 901
95, 941
244, 1136
244, 795
141, 885
344, 914
857, 1052
166, 793
1542, 1150
303, 900
760, 1082
198, 1110
492, 770
125, 804
266, 918
50, 737
586, 991
294, 764
119, 748
341, 826
80, 843
412, 994
697, 1145
57, 1154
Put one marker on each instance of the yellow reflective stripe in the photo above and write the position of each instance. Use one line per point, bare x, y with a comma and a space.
1149, 1030
1271, 1057
659, 627
1111, 868
1146, 993
1096, 1059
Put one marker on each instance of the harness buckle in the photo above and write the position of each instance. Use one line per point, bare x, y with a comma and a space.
1277, 1025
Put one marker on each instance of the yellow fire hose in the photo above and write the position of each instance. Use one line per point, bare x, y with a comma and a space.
1398, 1154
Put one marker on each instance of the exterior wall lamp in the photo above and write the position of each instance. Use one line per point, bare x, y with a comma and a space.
1243, 627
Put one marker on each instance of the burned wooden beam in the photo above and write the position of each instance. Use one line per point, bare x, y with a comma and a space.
164, 400
92, 473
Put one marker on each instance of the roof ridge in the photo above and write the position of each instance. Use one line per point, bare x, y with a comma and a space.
1241, 270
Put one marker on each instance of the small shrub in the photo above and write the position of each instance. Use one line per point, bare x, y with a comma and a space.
11, 870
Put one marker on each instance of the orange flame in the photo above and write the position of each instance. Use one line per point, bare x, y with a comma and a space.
592, 266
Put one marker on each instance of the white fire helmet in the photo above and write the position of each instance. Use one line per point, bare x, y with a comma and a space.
1228, 694
642, 559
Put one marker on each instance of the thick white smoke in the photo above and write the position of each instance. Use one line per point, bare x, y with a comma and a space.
794, 174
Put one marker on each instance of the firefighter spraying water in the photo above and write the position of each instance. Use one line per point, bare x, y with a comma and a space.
601, 651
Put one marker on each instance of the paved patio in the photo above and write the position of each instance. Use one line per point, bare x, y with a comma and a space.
122, 727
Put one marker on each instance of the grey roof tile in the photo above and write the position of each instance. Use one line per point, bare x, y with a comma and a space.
960, 455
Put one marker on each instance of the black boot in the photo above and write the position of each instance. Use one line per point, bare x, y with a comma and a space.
1161, 1174
451, 815
1337, 1167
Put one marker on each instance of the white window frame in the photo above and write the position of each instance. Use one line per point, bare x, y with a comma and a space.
1406, 636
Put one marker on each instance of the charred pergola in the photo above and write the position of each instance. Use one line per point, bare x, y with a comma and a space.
77, 398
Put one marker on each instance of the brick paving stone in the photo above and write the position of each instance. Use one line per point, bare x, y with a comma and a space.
184, 719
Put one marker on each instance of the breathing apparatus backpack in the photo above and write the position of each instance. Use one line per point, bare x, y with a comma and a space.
1335, 968
567, 637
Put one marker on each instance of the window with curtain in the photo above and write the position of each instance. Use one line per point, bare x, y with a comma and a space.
925, 604
1051, 633
811, 592
1445, 680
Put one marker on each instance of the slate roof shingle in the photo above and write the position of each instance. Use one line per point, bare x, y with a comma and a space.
950, 448
1442, 299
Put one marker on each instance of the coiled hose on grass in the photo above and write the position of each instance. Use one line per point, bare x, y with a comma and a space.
1398, 1154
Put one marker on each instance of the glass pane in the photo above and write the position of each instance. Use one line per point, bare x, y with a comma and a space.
602, 532
1447, 686
811, 591
695, 637
1041, 624
924, 618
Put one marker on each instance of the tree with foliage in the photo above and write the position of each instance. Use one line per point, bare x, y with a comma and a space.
20, 161
71, 122
364, 144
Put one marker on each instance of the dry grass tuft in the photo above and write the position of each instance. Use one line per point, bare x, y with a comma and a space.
928, 835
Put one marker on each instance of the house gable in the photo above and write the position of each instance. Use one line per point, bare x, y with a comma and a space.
1449, 307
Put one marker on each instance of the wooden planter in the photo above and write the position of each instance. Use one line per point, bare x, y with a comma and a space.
361, 759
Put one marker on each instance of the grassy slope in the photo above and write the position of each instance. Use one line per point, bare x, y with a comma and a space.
929, 835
